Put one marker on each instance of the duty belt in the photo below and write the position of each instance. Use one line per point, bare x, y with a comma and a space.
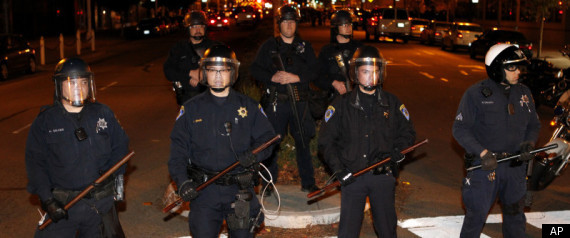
105, 189
202, 175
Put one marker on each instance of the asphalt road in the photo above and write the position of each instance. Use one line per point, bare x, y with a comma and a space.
129, 79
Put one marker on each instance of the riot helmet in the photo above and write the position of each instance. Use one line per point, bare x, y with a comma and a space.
338, 19
501, 57
219, 67
196, 19
74, 82
288, 12
368, 68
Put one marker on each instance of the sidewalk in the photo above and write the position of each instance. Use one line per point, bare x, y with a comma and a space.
103, 41
552, 54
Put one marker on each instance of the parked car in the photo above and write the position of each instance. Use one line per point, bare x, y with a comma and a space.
433, 34
17, 55
417, 25
218, 21
148, 27
247, 15
391, 22
490, 38
361, 18
461, 35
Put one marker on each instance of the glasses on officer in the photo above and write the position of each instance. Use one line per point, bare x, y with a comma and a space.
197, 26
222, 71
513, 67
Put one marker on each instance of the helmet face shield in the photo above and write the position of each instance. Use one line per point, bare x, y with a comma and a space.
219, 72
76, 90
368, 72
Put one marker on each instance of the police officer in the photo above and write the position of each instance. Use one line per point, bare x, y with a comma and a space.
334, 57
181, 66
299, 62
361, 128
69, 145
496, 117
214, 130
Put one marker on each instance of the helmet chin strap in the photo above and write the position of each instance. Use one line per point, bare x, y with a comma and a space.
198, 37
369, 88
219, 90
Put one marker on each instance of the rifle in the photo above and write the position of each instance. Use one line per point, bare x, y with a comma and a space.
361, 172
517, 156
342, 66
293, 95
223, 172
90, 187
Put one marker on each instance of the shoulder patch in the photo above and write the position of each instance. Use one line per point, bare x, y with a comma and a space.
405, 112
329, 113
180, 113
261, 110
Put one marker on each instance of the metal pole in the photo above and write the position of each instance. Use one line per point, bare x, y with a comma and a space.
92, 40
88, 19
78, 42
42, 51
61, 46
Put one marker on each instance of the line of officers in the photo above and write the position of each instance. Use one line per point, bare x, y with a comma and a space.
72, 142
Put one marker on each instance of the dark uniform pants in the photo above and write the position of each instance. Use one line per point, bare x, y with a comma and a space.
479, 195
283, 119
381, 191
209, 210
84, 220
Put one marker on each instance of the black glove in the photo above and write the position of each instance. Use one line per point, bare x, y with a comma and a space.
396, 156
489, 161
54, 209
187, 191
526, 148
344, 177
247, 159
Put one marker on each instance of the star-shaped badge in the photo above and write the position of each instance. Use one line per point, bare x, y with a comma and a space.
242, 112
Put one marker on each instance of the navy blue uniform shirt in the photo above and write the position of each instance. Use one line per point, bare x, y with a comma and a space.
183, 57
199, 135
352, 138
484, 122
298, 58
329, 68
55, 158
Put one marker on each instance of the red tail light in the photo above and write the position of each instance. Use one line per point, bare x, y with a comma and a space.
437, 34
212, 21
413, 27
459, 35
530, 47
225, 20
380, 18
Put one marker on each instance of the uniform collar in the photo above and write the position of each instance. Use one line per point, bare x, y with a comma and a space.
232, 97
355, 99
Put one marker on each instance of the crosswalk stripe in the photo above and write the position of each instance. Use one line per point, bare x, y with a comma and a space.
450, 226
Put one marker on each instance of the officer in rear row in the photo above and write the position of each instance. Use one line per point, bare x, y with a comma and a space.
285, 65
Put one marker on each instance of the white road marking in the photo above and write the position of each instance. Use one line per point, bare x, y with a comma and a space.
471, 66
21, 129
109, 85
427, 52
450, 226
427, 75
444, 80
412, 63
463, 72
